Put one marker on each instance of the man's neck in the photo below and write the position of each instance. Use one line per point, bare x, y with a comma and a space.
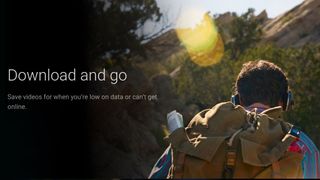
260, 107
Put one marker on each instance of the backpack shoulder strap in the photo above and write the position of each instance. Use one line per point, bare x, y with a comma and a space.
178, 165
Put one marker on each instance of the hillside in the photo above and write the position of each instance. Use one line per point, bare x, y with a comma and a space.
293, 28
296, 27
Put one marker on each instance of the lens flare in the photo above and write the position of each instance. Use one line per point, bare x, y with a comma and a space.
202, 42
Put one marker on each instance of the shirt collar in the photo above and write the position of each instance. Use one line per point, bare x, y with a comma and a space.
259, 109
274, 112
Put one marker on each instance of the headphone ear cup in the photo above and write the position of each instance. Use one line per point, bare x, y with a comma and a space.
235, 99
288, 101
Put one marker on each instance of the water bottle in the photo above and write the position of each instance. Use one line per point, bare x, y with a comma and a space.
175, 120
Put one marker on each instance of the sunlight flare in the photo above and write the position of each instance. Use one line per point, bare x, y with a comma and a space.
202, 42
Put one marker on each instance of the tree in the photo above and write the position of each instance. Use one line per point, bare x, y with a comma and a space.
112, 26
245, 32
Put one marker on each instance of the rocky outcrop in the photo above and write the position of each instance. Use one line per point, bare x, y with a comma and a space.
262, 17
163, 47
225, 18
296, 27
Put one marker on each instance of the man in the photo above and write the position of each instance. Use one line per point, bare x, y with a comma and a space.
259, 86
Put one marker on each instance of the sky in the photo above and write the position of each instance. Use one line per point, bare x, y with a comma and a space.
192, 10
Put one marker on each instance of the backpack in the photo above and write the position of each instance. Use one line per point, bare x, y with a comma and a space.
227, 141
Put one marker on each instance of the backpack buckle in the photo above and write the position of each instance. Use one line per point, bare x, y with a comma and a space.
229, 164
294, 131
231, 158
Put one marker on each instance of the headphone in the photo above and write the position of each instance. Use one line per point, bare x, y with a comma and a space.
287, 105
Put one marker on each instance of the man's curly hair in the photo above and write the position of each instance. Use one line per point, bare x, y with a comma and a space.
261, 81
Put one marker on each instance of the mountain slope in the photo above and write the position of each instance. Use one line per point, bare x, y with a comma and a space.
296, 27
